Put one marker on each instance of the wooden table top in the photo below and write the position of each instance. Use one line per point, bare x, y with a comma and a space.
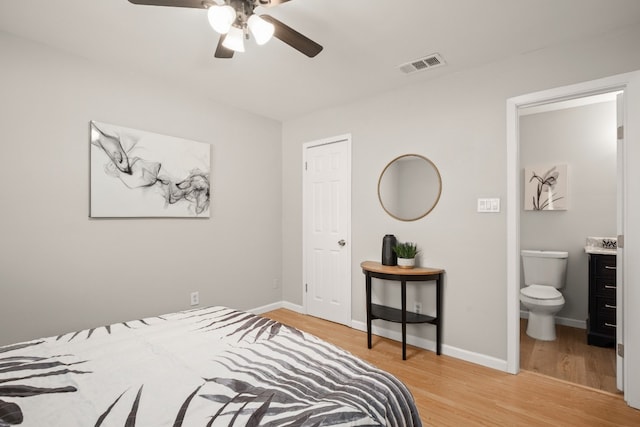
377, 267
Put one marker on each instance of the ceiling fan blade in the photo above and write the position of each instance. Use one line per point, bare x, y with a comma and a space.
221, 51
196, 4
293, 38
269, 3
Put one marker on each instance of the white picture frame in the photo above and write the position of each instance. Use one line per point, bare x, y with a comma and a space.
135, 173
545, 187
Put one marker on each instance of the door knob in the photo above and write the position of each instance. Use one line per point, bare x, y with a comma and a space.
342, 242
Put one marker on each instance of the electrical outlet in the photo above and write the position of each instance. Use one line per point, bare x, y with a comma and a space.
195, 298
275, 284
417, 308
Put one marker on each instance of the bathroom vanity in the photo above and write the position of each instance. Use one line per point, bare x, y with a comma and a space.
601, 323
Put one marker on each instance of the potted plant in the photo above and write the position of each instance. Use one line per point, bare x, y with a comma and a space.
406, 254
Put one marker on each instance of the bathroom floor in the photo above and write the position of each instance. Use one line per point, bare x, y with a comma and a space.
569, 358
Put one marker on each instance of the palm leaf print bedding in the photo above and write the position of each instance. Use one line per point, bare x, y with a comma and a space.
213, 366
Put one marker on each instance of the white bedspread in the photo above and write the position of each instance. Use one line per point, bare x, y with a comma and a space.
208, 367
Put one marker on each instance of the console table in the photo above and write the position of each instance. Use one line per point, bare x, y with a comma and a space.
373, 269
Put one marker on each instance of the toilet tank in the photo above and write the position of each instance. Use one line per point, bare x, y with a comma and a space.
544, 268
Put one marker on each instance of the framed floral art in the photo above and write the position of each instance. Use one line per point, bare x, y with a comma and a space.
545, 188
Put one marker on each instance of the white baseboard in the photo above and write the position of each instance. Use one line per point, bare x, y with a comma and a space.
564, 321
277, 305
395, 335
293, 307
265, 308
458, 353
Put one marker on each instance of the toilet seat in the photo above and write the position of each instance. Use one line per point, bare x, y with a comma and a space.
541, 296
541, 292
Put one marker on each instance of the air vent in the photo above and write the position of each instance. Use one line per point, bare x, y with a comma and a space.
426, 63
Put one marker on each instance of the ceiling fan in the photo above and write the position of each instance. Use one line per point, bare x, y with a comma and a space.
235, 19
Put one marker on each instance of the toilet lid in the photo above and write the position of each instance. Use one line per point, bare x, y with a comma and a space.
541, 292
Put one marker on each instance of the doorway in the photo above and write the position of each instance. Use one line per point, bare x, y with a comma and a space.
630, 339
327, 229
577, 140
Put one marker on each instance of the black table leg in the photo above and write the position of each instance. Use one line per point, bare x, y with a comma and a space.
438, 313
368, 281
403, 286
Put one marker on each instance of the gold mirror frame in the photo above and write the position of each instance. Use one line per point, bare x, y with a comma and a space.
430, 208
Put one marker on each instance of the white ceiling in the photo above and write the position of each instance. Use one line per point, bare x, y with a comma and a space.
364, 42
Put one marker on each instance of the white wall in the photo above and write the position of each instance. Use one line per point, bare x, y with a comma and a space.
457, 121
61, 271
583, 138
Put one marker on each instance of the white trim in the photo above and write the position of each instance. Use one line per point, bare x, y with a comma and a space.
275, 306
458, 353
332, 140
620, 231
631, 251
564, 321
594, 87
477, 358
571, 103
266, 308
395, 335
513, 239
293, 307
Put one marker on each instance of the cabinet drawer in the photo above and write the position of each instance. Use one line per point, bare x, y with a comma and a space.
605, 266
606, 309
606, 287
605, 326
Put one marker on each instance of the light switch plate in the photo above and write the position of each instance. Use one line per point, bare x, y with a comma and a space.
491, 205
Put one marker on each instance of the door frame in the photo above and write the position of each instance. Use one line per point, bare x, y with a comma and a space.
630, 331
620, 253
346, 139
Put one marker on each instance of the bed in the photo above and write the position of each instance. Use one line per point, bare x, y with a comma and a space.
213, 366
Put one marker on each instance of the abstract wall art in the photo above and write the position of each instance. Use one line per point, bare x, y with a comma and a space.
142, 174
545, 188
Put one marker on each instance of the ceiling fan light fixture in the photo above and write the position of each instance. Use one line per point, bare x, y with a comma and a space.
234, 39
221, 18
261, 30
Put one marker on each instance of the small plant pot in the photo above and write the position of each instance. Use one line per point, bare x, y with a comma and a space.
406, 262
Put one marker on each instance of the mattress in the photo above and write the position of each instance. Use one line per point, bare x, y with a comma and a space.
213, 366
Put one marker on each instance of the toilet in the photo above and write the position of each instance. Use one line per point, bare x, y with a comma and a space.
544, 274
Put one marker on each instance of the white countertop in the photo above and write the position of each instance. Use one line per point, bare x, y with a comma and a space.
600, 251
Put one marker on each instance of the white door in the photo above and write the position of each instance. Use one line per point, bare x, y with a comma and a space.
620, 254
326, 229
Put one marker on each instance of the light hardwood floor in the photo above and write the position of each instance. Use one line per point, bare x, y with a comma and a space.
452, 392
569, 358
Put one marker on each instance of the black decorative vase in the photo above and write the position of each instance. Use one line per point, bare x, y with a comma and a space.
389, 257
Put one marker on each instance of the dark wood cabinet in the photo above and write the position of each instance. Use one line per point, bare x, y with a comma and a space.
601, 324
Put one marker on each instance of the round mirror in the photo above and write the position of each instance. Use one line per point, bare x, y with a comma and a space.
409, 187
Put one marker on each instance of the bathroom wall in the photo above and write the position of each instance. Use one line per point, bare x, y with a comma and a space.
583, 138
